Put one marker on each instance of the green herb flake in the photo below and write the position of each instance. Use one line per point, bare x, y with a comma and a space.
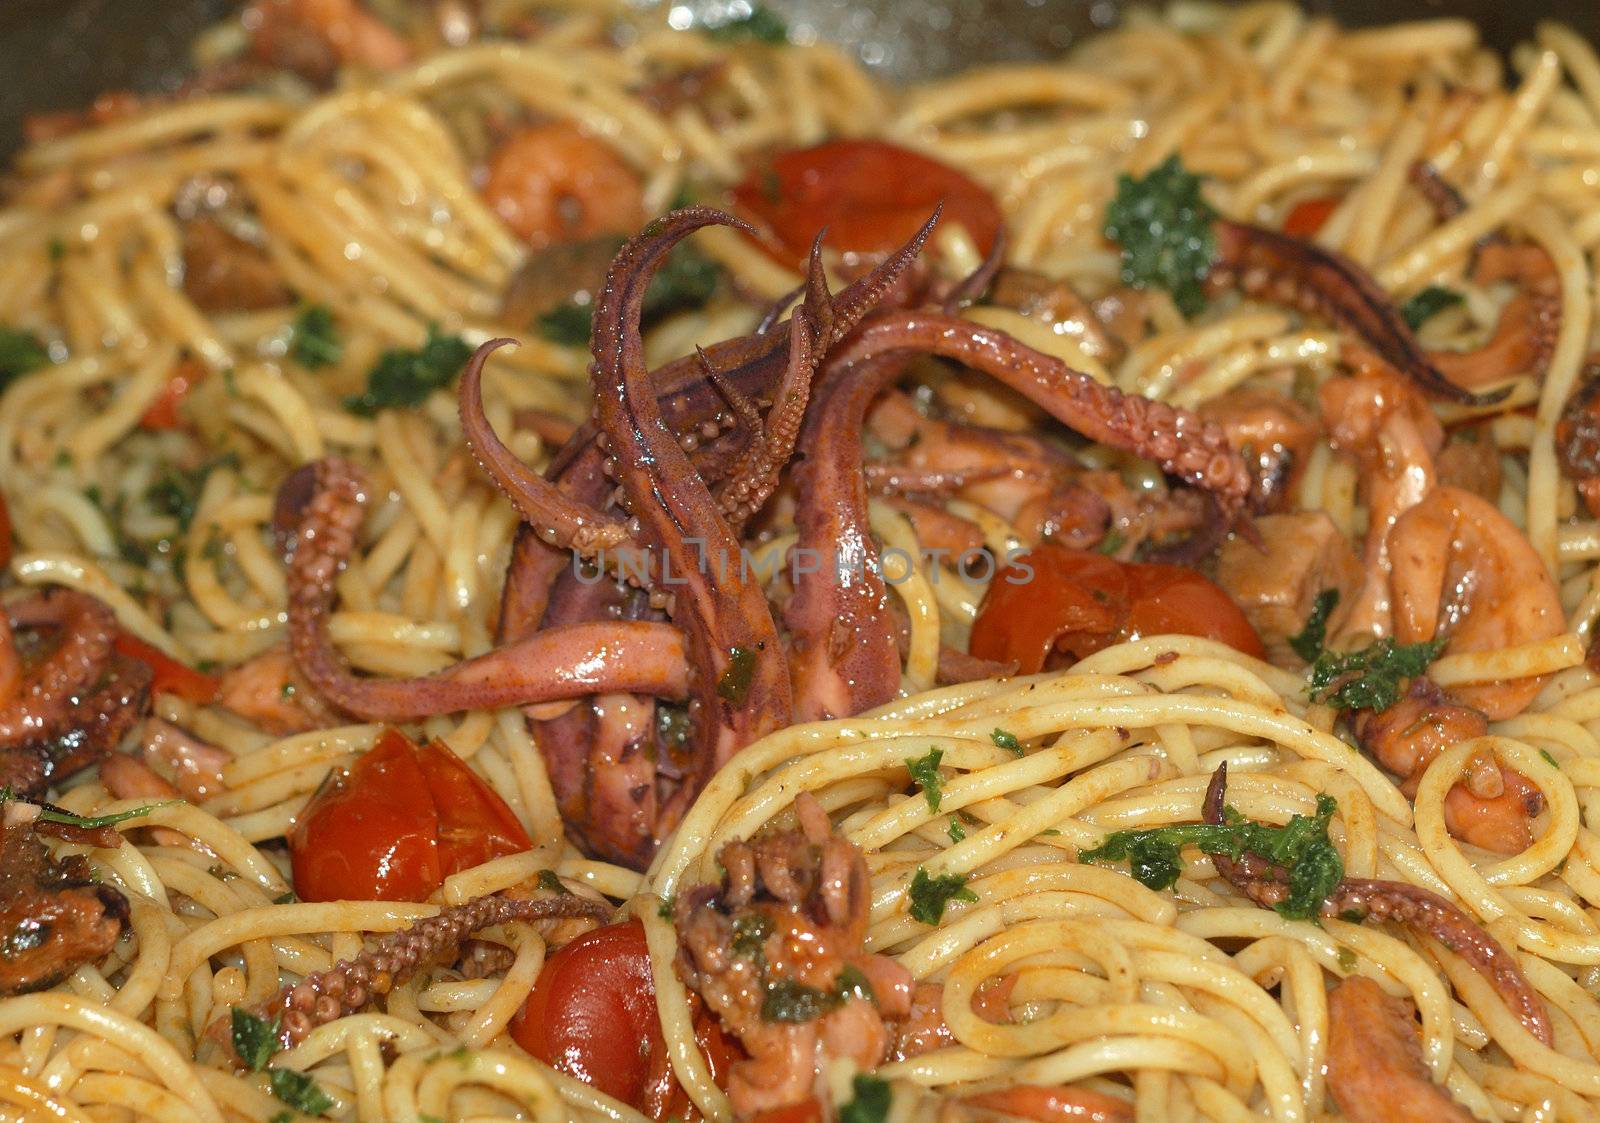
405, 378
1049, 832
424, 1117
667, 907
761, 25
255, 1039
925, 771
1548, 759
1347, 959
1427, 304
870, 1102
1370, 679
299, 1091
851, 983
281, 1117
316, 341
734, 683
1113, 541
1164, 228
1301, 846
795, 1003
48, 814
1005, 740
930, 895
568, 324
289, 898
957, 832
686, 280
177, 491
673, 726
549, 881
20, 353
1308, 642
750, 933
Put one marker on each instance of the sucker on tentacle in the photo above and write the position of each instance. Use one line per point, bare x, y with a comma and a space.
1289, 270
347, 986
546, 666
41, 701
1362, 898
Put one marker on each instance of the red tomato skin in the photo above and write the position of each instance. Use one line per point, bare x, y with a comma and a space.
871, 196
1054, 1105
1045, 595
170, 676
592, 1015
1076, 601
371, 834
475, 824
1306, 218
163, 413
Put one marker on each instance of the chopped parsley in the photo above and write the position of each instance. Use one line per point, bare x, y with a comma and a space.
1301, 846
750, 934
1347, 959
686, 280
667, 907
957, 832
1427, 304
672, 725
852, 983
1113, 541
548, 880
405, 377
1006, 740
871, 1101
734, 683
255, 1039
316, 341
762, 25
49, 813
177, 492
930, 895
1309, 640
1370, 679
1548, 759
20, 353
925, 771
289, 898
299, 1091
1164, 228
789, 1001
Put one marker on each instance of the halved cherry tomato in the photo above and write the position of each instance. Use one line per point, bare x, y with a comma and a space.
163, 412
871, 196
592, 1014
1077, 602
1306, 218
1054, 1105
397, 824
171, 676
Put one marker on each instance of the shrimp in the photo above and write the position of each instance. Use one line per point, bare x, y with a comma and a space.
270, 691
1388, 428
1375, 1068
1277, 579
1490, 807
313, 37
1463, 569
551, 183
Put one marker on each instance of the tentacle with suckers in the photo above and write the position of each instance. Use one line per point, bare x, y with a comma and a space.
547, 666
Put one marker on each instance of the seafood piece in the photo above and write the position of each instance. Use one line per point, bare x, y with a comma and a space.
554, 183
54, 915
1277, 578
1375, 1069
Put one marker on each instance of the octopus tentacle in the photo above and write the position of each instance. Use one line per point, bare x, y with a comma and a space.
1183, 444
1411, 905
546, 666
347, 986
1270, 264
100, 720
558, 519
742, 689
43, 697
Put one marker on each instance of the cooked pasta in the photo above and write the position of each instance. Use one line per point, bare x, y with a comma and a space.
1312, 516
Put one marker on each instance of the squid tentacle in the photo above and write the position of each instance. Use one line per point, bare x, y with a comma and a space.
1275, 265
546, 666
1411, 905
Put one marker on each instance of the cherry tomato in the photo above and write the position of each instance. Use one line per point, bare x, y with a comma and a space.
1054, 1105
807, 1111
171, 676
163, 412
1306, 218
397, 824
871, 196
1077, 602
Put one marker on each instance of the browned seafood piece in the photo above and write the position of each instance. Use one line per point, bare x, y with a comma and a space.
1277, 578
1057, 306
313, 38
1376, 1073
54, 916
776, 953
270, 692
1274, 434
1524, 337
1578, 437
224, 273
1470, 460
